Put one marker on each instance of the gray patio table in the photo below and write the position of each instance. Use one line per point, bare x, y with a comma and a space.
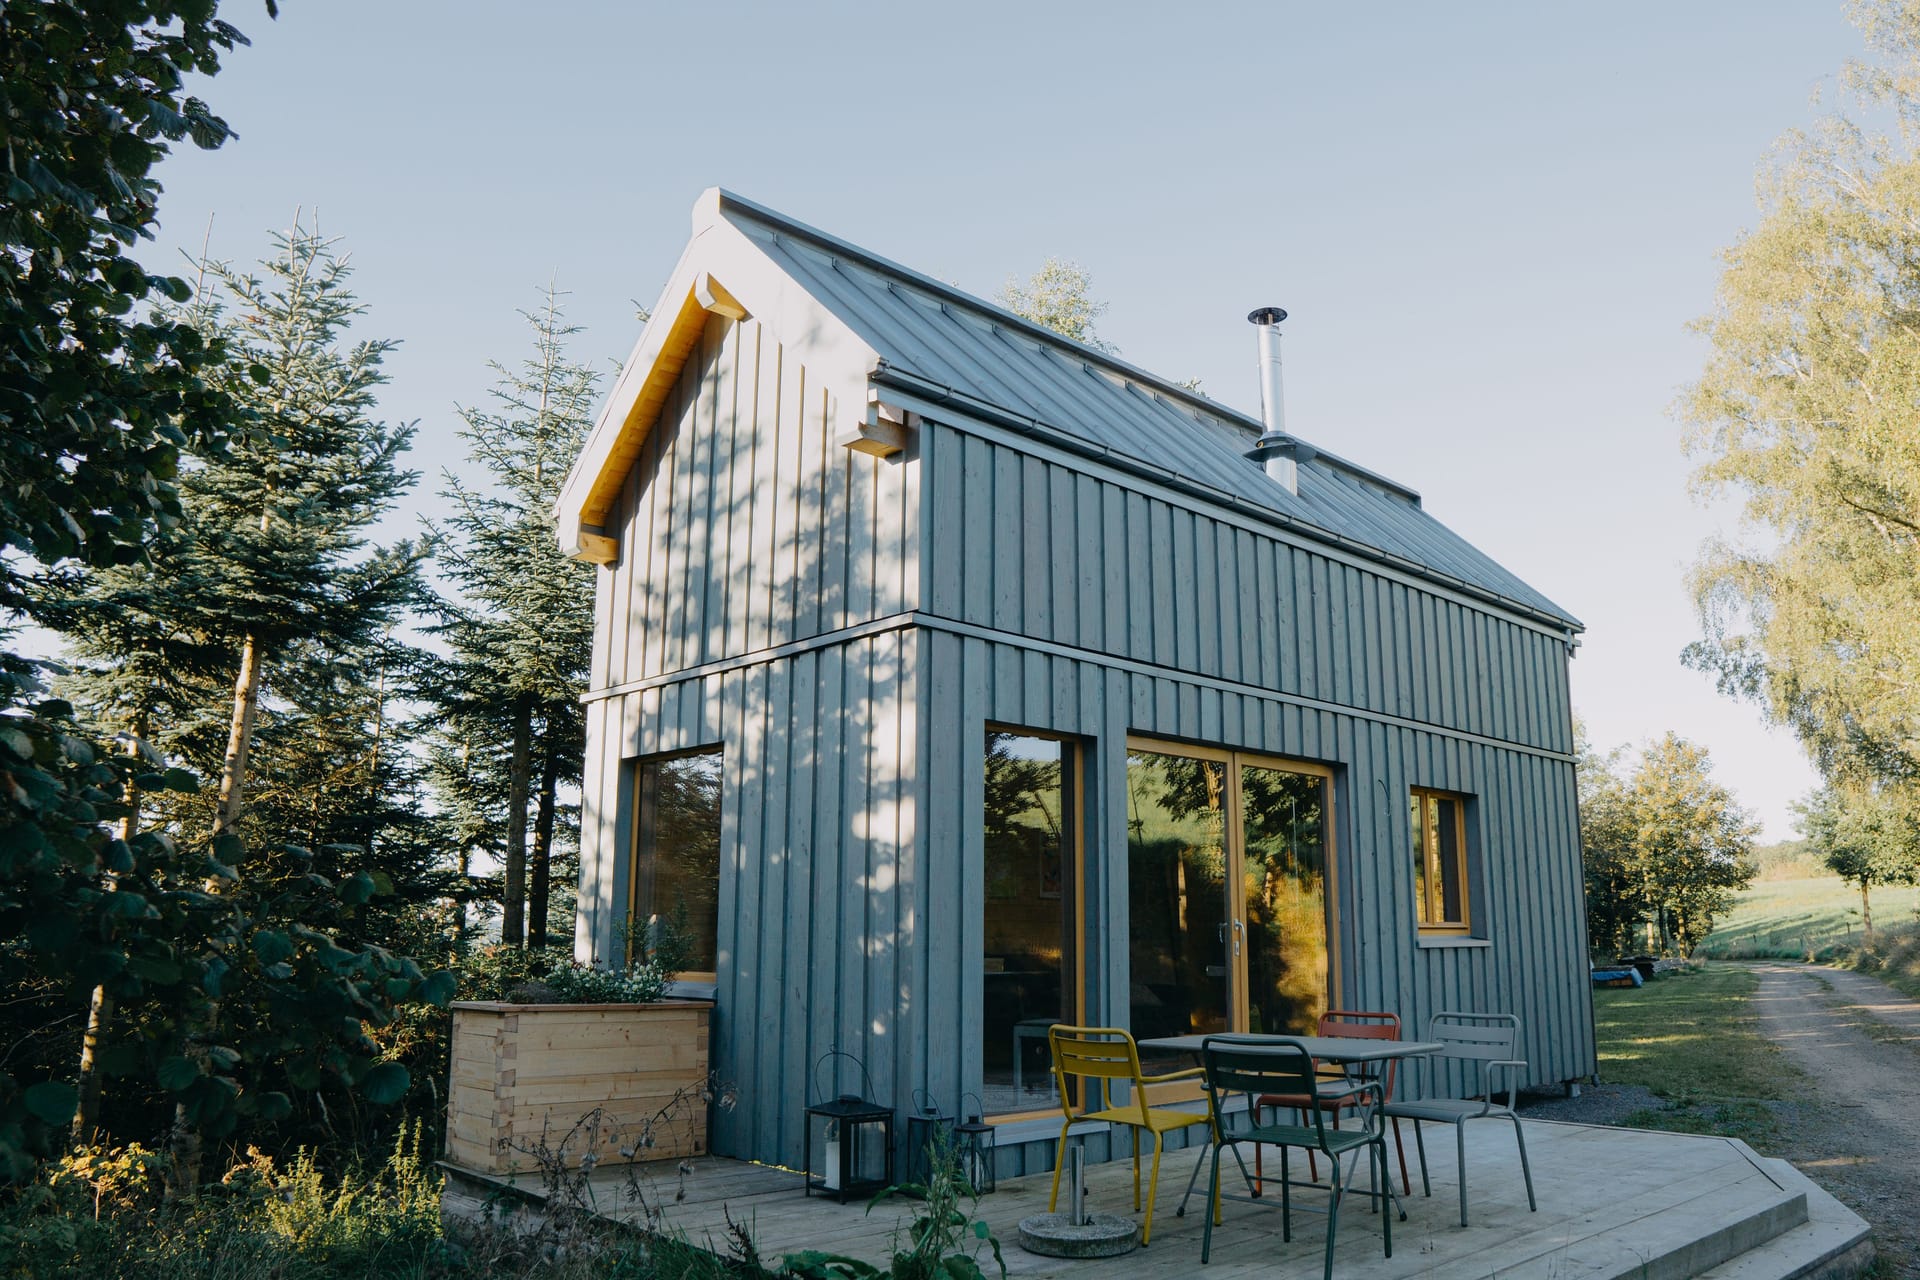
1346, 1051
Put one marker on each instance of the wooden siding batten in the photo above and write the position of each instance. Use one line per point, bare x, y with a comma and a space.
1089, 567
941, 487
634, 650
880, 829
1032, 530
837, 516
814, 537
784, 555
596, 855
752, 557
795, 1049
1333, 604
912, 1029
827, 1025
724, 474
745, 1019
1060, 564
966, 880
859, 498
697, 554
1008, 564
678, 475
772, 915
1113, 571
855, 881
945, 934
977, 572
1528, 780
1182, 610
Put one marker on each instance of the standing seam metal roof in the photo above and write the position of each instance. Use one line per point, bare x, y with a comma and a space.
940, 335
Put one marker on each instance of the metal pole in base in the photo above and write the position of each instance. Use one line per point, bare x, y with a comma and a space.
1077, 1183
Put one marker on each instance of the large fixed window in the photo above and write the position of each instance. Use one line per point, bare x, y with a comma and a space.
1030, 978
1440, 861
676, 850
1227, 890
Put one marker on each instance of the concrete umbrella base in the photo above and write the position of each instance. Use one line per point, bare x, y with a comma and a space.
1101, 1235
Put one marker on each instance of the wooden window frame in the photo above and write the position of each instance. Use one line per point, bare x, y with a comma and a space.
1074, 754
1234, 835
642, 808
1430, 906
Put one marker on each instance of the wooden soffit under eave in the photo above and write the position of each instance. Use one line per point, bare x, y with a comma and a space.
582, 528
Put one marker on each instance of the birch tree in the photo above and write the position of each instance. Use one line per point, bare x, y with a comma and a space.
1806, 412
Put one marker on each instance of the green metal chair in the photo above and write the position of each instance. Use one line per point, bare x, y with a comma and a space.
1492, 1040
1106, 1055
1231, 1065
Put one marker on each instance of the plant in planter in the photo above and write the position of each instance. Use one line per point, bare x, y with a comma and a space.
563, 1040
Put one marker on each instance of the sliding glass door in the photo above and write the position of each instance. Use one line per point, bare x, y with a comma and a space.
1284, 881
1227, 891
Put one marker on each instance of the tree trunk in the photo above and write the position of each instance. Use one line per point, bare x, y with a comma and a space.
183, 1142
100, 1007
463, 864
513, 897
541, 863
1866, 909
233, 767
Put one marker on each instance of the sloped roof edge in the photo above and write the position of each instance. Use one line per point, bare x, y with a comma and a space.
863, 319
725, 201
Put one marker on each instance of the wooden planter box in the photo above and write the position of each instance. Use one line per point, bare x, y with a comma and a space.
525, 1074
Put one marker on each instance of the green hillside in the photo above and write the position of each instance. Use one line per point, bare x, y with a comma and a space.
1799, 918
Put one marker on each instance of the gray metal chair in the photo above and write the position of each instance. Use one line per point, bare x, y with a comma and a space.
1492, 1040
1233, 1065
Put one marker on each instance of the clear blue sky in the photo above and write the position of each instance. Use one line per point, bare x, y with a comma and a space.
1491, 223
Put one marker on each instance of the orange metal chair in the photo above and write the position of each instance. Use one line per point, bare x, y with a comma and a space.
1106, 1055
1336, 1092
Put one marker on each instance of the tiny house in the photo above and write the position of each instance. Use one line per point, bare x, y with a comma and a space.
952, 679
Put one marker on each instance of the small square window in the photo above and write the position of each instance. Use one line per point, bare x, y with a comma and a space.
1440, 860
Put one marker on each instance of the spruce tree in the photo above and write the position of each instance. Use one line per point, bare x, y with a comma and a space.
520, 624
255, 644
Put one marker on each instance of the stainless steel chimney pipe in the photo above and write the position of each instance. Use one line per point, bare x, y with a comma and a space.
1277, 462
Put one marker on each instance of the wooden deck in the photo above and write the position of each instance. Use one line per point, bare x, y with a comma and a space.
1613, 1203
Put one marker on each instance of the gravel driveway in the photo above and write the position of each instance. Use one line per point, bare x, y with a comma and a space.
1857, 1131
1859, 1135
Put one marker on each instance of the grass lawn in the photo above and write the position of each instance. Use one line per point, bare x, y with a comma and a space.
1691, 1037
1795, 919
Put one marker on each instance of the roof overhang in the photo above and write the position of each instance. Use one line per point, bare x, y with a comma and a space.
721, 273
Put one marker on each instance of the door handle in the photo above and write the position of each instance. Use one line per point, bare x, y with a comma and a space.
1238, 929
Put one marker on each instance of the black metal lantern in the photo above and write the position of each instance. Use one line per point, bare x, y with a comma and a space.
973, 1149
848, 1145
928, 1132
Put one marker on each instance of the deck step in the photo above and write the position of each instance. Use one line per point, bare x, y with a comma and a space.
1834, 1243
1657, 1237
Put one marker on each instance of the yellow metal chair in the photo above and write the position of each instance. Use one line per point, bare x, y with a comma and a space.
1105, 1055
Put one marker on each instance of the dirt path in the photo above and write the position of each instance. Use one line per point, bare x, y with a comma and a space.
1859, 1134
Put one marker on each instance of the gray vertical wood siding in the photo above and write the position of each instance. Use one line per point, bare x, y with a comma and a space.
742, 525
1234, 636
846, 629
